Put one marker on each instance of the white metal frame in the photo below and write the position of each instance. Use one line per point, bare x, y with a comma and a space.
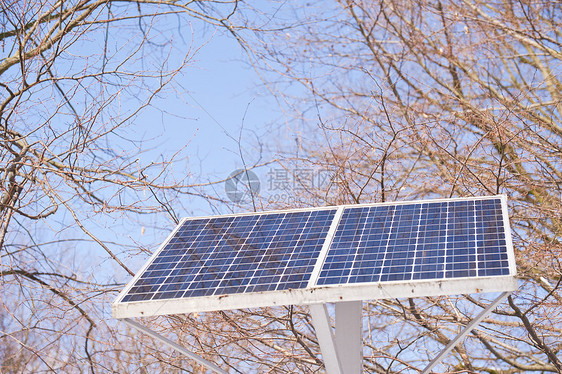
317, 295
342, 348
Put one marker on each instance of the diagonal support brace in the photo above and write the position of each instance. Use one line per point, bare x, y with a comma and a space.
200, 360
468, 328
326, 339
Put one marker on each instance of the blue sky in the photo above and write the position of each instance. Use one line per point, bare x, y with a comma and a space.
203, 110
222, 100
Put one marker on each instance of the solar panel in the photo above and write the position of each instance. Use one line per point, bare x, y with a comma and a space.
435, 240
348, 252
235, 254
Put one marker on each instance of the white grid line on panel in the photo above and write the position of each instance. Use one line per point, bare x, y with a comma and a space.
447, 249
475, 220
361, 239
417, 208
388, 238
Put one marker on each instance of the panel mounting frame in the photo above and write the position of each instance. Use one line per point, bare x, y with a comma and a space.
317, 296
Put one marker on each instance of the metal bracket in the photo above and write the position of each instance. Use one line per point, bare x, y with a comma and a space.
468, 328
209, 365
342, 349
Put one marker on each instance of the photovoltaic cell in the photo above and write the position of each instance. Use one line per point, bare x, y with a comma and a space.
403, 242
235, 254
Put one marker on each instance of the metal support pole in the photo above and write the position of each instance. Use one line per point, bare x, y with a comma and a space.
349, 335
175, 346
323, 328
468, 328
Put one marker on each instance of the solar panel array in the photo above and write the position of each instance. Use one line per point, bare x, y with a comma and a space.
279, 250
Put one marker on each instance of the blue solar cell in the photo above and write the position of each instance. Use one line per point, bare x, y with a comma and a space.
435, 240
225, 255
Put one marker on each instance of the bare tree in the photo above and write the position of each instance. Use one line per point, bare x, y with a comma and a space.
74, 77
445, 98
399, 99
